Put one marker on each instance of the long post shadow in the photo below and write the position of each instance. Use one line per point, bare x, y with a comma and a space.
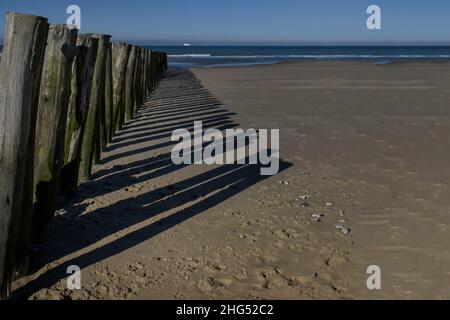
76, 230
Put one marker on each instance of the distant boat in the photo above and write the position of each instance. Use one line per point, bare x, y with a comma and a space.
187, 45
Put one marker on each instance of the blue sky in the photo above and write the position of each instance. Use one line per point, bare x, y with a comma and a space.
283, 22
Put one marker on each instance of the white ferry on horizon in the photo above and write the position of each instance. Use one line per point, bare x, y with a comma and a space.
187, 45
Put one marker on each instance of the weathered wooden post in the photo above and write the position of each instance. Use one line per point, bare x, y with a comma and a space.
158, 66
109, 116
121, 52
20, 76
142, 77
150, 78
151, 70
100, 130
129, 84
82, 73
90, 148
166, 63
163, 64
144, 73
51, 124
147, 72
137, 81
154, 58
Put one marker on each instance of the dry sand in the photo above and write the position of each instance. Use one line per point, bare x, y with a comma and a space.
367, 145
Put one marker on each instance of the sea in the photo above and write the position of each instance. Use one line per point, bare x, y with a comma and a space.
235, 56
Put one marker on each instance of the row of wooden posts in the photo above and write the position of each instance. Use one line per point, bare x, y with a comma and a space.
63, 96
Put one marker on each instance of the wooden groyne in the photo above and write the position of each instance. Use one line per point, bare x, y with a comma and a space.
63, 96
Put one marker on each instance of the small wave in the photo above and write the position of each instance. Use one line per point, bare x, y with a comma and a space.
312, 56
190, 55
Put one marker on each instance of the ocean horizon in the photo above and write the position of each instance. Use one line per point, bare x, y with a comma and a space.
234, 56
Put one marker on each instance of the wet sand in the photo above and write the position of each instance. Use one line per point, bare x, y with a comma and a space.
363, 181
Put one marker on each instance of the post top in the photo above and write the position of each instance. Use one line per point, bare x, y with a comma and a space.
96, 35
25, 15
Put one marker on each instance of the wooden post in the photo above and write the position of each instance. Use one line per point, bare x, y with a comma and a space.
147, 72
109, 117
129, 84
82, 73
51, 124
142, 77
137, 82
166, 63
145, 75
163, 64
121, 52
100, 131
90, 148
150, 79
154, 56
150, 70
20, 77
158, 67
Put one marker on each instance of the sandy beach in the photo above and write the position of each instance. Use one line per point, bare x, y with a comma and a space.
363, 181
373, 140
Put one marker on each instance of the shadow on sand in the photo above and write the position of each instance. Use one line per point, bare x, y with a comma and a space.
179, 101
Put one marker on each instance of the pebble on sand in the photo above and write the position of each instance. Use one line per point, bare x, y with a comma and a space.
223, 282
317, 217
343, 229
305, 205
336, 261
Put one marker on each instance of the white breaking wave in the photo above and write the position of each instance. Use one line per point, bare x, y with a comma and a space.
190, 55
308, 56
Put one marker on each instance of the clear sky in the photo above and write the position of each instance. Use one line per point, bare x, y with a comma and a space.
283, 22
